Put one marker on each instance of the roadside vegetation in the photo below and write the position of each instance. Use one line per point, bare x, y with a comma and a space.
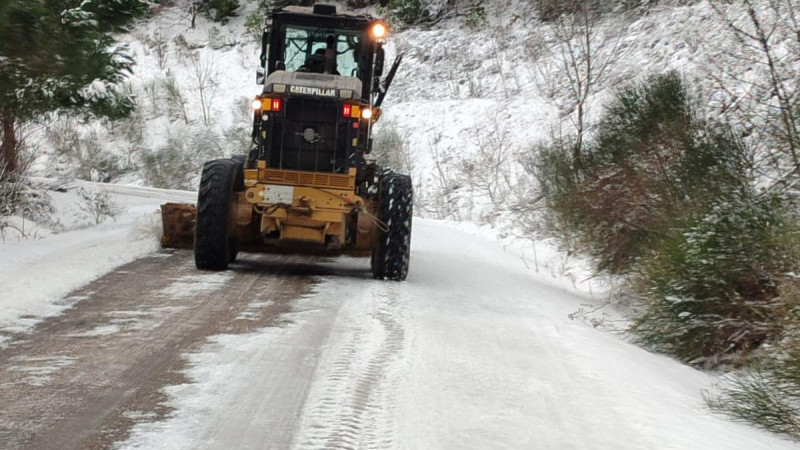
699, 219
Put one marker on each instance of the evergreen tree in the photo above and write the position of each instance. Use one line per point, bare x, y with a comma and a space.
218, 10
58, 56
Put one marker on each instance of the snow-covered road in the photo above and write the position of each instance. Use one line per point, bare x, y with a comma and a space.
472, 352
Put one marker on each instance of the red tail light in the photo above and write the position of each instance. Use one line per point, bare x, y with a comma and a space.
347, 110
276, 104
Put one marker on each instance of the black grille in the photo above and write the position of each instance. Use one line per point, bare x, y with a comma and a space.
309, 137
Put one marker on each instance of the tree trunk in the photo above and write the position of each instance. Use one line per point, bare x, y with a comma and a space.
8, 150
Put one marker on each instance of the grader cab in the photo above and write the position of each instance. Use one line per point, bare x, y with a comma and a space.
306, 186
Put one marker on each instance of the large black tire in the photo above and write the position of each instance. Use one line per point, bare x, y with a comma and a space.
212, 243
390, 257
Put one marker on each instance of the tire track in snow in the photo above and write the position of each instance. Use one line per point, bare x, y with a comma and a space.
355, 402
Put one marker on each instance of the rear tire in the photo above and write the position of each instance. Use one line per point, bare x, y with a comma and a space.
390, 257
212, 243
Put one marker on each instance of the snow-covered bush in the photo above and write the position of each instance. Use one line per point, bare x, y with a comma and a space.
651, 161
21, 202
177, 165
237, 137
768, 394
712, 286
476, 17
79, 153
391, 149
218, 10
96, 205
669, 200
409, 12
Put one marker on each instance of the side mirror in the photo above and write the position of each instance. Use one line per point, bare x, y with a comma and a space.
261, 76
264, 46
379, 57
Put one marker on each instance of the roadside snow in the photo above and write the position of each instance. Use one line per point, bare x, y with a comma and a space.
36, 274
472, 352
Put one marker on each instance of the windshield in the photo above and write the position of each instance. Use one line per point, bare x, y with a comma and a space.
306, 50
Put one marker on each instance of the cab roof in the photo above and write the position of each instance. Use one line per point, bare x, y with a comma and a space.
327, 13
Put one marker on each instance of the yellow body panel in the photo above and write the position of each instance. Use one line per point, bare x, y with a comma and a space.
300, 206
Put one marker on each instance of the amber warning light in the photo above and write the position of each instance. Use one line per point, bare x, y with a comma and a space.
267, 104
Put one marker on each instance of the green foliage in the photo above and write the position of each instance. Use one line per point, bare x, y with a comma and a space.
409, 12
769, 394
713, 284
476, 17
668, 199
254, 23
58, 56
651, 161
52, 52
218, 10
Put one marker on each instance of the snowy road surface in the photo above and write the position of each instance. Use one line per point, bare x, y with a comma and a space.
472, 352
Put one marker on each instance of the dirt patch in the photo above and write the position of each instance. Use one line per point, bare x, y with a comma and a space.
82, 379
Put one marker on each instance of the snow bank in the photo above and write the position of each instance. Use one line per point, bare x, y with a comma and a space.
37, 273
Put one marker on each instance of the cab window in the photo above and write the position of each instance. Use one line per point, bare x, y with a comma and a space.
305, 50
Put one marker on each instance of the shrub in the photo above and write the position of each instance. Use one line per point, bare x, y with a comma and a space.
219, 10
668, 200
81, 155
409, 12
651, 161
254, 24
97, 205
476, 17
391, 149
713, 284
19, 197
177, 164
769, 394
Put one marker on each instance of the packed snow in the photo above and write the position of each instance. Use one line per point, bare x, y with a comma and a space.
474, 350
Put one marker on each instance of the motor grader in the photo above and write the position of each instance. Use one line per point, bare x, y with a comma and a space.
307, 185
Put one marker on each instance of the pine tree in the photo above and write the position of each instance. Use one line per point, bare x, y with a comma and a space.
58, 56
218, 10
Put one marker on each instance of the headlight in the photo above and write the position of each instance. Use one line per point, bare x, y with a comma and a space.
256, 104
379, 30
366, 113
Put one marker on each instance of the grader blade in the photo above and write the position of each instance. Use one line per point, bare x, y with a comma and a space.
178, 220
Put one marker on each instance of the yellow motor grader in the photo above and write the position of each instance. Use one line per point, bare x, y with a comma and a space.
306, 186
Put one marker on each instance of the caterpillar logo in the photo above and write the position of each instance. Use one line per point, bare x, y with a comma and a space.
319, 92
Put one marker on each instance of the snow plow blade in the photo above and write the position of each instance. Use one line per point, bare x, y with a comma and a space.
178, 220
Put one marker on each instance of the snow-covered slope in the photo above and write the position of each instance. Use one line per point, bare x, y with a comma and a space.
458, 89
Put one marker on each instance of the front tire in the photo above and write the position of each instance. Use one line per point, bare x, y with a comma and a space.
391, 255
212, 243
